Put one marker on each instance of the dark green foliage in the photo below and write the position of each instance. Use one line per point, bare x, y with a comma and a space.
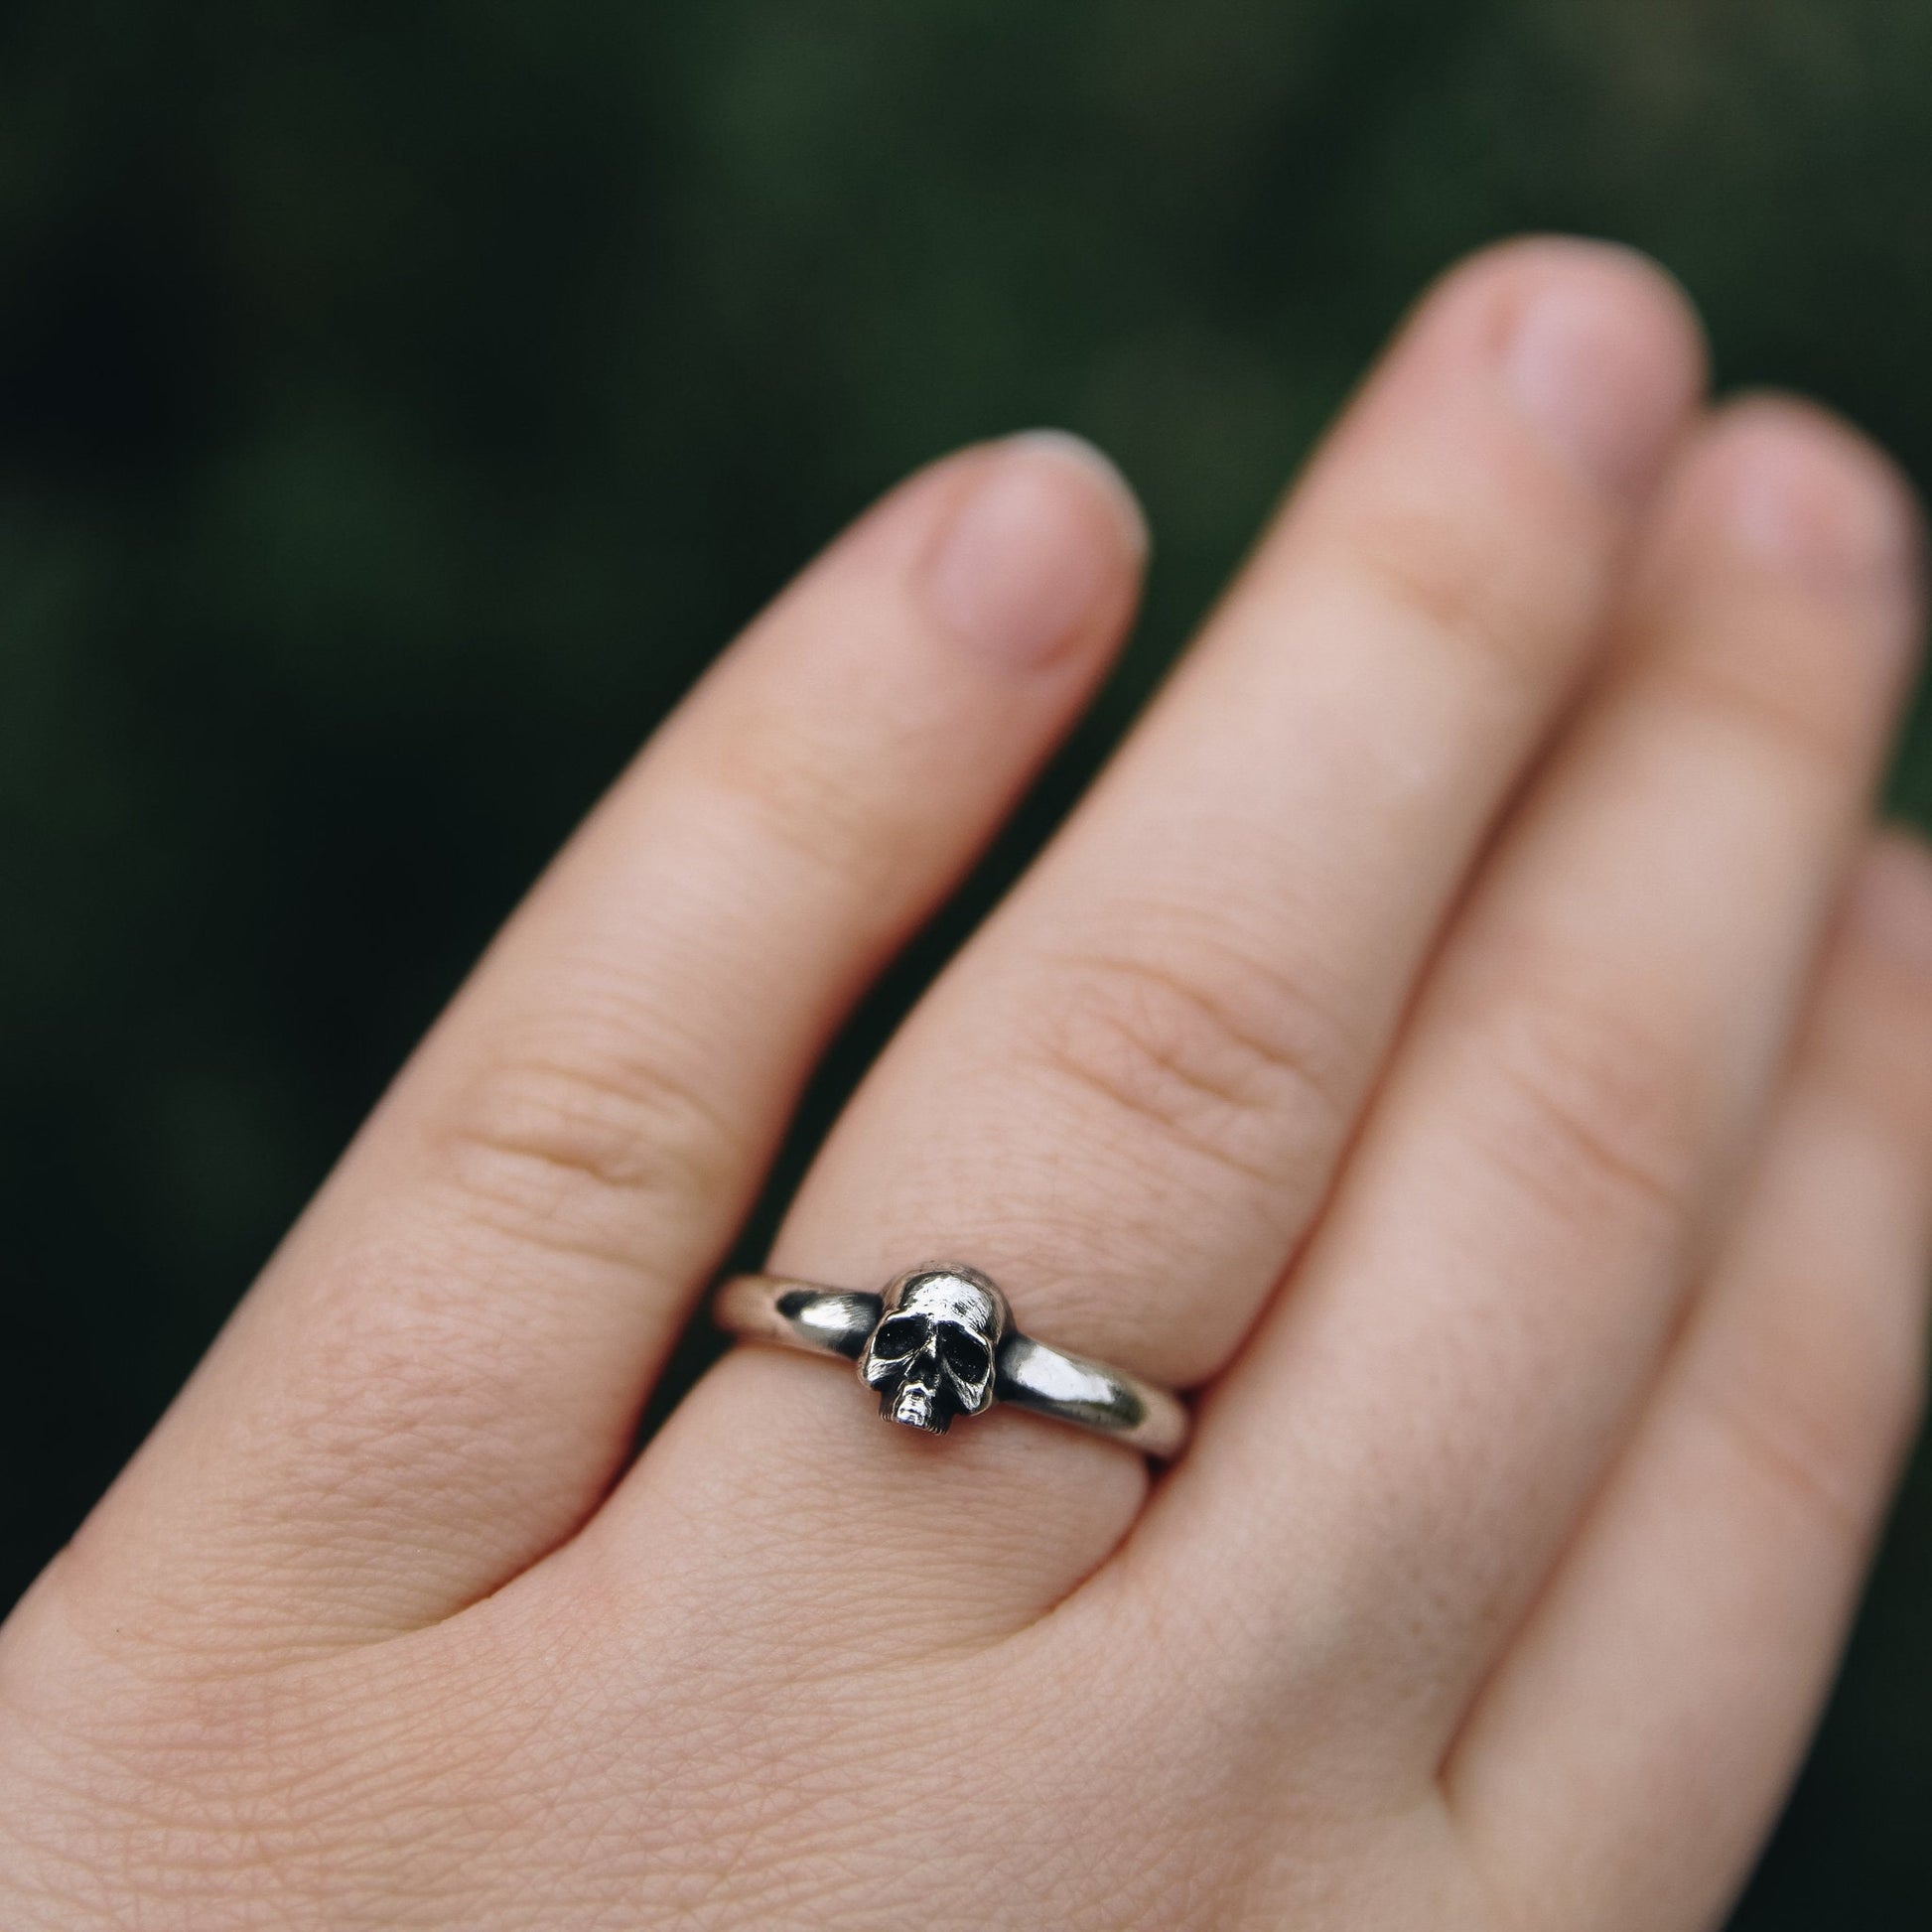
399, 403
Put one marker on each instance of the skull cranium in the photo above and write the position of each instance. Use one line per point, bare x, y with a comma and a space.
931, 1354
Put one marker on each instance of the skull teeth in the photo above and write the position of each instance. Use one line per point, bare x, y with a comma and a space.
918, 1407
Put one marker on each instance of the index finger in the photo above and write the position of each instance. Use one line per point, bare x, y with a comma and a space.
435, 1378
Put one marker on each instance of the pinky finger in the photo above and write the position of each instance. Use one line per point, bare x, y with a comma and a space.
1632, 1749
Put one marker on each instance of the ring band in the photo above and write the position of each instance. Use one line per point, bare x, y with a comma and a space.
939, 1342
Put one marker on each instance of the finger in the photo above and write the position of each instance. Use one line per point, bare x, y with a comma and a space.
1128, 1096
438, 1375
1409, 1439
1628, 1757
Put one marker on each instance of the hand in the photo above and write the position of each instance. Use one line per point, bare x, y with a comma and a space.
1470, 1031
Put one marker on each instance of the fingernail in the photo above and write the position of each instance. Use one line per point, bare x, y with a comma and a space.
1046, 536
1892, 903
1591, 373
1808, 500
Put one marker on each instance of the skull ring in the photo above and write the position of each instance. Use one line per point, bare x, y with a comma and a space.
938, 1342
931, 1355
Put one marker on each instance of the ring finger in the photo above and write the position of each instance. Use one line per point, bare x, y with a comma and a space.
1127, 1099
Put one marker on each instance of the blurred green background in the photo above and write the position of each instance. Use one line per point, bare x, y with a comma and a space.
401, 401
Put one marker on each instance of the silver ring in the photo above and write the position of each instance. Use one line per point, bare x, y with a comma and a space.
939, 1342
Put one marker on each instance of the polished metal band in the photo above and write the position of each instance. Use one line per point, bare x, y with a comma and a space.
1028, 1374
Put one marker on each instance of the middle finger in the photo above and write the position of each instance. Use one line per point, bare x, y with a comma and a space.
1407, 1444
1126, 1098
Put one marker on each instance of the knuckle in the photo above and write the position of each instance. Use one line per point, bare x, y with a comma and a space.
1596, 1111
1221, 1057
1817, 1380
1452, 588
1821, 1431
587, 1143
792, 784
1805, 721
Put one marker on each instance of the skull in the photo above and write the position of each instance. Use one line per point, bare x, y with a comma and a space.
931, 1354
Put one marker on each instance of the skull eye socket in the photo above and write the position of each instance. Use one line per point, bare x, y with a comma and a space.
898, 1334
966, 1355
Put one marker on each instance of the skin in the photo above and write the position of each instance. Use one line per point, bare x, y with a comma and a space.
1473, 1032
